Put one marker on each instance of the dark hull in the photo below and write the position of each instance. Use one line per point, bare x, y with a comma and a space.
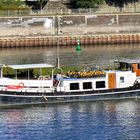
13, 98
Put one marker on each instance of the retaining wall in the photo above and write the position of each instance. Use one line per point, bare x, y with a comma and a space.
91, 29
69, 25
69, 40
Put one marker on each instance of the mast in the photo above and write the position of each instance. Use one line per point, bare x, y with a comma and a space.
58, 59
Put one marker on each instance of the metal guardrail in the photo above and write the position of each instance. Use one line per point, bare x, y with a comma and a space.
15, 12
97, 10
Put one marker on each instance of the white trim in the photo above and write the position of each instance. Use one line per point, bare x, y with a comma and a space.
30, 66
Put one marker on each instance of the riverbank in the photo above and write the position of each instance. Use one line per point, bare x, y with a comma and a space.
9, 42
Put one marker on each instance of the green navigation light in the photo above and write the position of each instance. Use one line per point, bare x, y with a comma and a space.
78, 47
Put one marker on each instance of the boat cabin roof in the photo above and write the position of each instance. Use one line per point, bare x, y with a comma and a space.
128, 61
30, 66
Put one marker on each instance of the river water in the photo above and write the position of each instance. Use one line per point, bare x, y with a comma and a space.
89, 56
102, 120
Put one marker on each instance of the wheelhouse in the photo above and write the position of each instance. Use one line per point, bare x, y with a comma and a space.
133, 65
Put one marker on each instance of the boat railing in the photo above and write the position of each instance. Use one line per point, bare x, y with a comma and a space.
46, 77
39, 89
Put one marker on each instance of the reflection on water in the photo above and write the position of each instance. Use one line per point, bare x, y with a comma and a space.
76, 121
90, 55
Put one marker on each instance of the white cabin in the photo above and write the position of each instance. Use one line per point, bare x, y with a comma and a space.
112, 80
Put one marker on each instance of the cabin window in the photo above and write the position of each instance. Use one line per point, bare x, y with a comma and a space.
87, 85
122, 79
100, 84
138, 66
74, 86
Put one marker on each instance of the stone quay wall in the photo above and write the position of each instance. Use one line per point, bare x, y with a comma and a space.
90, 29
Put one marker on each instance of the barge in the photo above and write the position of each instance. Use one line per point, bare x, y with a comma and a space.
123, 82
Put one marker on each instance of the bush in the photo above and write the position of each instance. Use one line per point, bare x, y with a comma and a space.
12, 5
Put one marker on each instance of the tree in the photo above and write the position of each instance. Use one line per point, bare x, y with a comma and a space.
40, 2
85, 3
11, 4
120, 3
36, 5
96, 3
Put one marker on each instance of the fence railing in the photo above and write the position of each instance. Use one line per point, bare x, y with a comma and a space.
15, 12
109, 9
103, 10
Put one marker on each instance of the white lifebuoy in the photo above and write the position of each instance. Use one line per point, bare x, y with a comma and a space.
21, 85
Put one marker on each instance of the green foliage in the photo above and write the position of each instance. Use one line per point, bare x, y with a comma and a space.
96, 3
120, 3
40, 1
45, 71
86, 3
36, 5
12, 5
71, 68
63, 70
8, 71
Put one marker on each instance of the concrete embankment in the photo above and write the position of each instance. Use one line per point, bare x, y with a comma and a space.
90, 29
67, 40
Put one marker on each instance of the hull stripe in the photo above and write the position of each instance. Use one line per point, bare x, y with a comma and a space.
50, 96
